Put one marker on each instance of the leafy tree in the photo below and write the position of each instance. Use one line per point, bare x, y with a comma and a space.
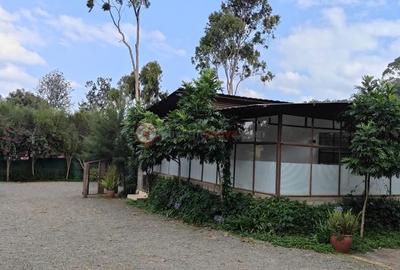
114, 9
392, 73
150, 79
233, 37
374, 119
21, 97
56, 90
193, 130
13, 133
97, 95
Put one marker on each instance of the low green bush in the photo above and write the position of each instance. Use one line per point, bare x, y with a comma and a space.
277, 216
279, 221
186, 201
239, 212
382, 213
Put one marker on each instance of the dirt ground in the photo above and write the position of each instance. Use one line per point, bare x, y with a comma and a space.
50, 226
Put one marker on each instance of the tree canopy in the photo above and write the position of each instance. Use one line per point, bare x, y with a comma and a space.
233, 38
56, 90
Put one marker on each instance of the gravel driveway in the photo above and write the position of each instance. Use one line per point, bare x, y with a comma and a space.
50, 226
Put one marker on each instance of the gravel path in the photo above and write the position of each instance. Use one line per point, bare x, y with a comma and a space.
50, 226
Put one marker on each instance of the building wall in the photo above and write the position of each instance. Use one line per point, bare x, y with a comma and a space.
303, 160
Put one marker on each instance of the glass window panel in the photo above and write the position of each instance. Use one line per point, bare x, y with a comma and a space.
265, 168
350, 183
210, 172
380, 186
247, 132
396, 186
165, 167
293, 120
337, 124
244, 166
326, 137
173, 168
325, 177
296, 135
184, 167
196, 169
323, 123
295, 171
267, 131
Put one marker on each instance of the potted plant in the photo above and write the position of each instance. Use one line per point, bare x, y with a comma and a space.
342, 226
110, 181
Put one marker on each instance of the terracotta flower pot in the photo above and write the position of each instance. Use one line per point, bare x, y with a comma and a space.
110, 193
342, 243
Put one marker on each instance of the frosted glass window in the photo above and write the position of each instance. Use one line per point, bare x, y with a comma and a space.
326, 137
395, 186
157, 168
295, 171
380, 186
323, 123
325, 179
165, 167
295, 179
293, 120
296, 135
196, 169
173, 168
244, 166
267, 130
351, 184
210, 173
185, 167
265, 168
247, 132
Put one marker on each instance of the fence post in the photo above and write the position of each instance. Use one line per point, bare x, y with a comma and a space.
86, 168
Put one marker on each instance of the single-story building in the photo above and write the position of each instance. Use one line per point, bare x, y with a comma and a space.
285, 149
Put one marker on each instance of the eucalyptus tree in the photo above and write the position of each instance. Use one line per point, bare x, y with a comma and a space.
374, 121
392, 73
115, 10
233, 38
150, 80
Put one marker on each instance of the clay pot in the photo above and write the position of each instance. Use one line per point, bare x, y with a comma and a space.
342, 243
110, 193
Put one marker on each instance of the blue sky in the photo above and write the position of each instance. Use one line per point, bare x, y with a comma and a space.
321, 49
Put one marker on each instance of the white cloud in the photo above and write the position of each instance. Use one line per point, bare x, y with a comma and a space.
327, 60
250, 93
13, 77
17, 40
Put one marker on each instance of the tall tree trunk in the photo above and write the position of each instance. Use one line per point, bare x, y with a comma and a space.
33, 165
364, 210
69, 162
137, 48
8, 167
179, 170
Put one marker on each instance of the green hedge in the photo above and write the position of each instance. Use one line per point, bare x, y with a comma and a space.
45, 170
239, 212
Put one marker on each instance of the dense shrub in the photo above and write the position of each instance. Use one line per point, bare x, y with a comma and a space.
181, 199
382, 213
239, 212
277, 216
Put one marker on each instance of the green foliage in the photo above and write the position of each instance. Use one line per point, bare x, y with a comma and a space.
277, 216
383, 213
233, 37
183, 200
56, 90
111, 179
279, 221
193, 130
342, 223
150, 79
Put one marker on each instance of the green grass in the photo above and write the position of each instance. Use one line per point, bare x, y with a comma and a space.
372, 240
